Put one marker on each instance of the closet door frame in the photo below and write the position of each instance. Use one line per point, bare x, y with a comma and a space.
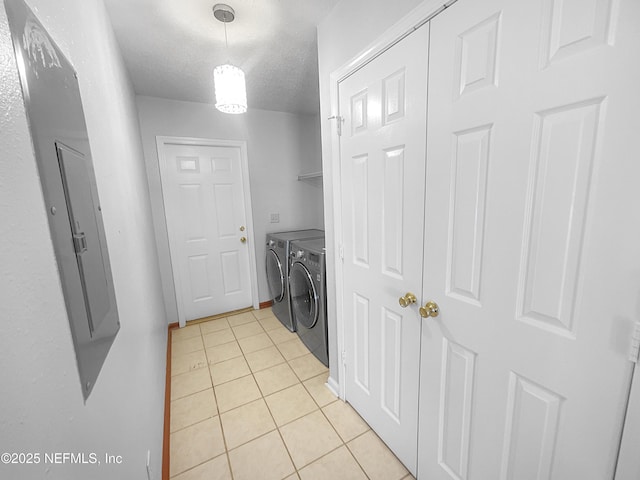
628, 466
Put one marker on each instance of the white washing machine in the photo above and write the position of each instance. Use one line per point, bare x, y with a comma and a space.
277, 264
307, 287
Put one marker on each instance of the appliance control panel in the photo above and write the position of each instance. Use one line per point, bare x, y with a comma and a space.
312, 259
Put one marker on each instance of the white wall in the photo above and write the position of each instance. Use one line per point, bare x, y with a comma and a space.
310, 146
41, 404
280, 146
348, 29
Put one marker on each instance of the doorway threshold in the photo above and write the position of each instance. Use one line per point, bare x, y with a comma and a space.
219, 315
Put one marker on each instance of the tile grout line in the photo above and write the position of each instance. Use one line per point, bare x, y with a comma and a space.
295, 469
353, 454
344, 443
262, 397
251, 372
171, 407
207, 365
299, 380
239, 406
277, 429
243, 355
216, 402
356, 458
224, 437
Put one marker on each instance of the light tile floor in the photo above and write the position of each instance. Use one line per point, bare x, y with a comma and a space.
249, 402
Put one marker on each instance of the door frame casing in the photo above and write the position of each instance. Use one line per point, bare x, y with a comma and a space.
241, 145
628, 464
628, 467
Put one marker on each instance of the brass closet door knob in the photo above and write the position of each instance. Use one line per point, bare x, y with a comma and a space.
430, 309
407, 299
243, 239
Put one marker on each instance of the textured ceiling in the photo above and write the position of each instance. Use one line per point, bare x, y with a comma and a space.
170, 48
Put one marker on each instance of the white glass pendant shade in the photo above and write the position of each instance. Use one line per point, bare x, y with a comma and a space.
231, 92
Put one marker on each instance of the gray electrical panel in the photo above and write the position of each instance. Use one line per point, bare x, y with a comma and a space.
61, 145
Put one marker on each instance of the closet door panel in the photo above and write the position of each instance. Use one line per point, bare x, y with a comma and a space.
382, 169
530, 246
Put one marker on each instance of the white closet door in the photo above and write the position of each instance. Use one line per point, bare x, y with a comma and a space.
382, 156
532, 238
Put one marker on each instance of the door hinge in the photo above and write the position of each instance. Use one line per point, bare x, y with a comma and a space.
339, 121
79, 243
344, 358
341, 253
634, 352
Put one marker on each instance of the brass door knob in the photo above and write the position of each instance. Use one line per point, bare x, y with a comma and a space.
407, 300
243, 239
430, 309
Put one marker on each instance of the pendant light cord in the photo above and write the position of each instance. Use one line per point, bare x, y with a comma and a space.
226, 41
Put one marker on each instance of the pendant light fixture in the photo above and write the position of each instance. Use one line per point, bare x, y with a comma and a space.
230, 87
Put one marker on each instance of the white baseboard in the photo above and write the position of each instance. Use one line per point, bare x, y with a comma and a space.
333, 386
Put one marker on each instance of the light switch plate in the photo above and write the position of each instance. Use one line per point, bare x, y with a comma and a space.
275, 217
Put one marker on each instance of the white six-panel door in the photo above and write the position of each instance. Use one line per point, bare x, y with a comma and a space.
382, 155
532, 238
206, 221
